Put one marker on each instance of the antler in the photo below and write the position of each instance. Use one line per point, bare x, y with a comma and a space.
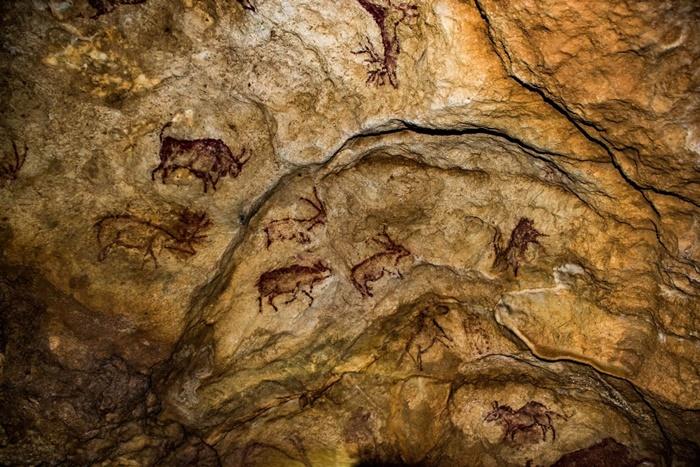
9, 169
387, 242
241, 162
318, 206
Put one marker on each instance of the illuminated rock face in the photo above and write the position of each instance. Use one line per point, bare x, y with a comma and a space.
350, 233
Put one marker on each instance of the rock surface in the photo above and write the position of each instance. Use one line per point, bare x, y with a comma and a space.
437, 232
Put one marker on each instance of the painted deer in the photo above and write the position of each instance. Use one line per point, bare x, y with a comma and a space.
291, 280
9, 170
298, 229
529, 417
373, 268
207, 159
520, 238
388, 14
133, 233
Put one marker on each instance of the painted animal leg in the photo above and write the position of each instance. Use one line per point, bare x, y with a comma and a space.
260, 303
419, 358
151, 253
213, 181
270, 299
165, 173
310, 296
394, 273
294, 296
155, 171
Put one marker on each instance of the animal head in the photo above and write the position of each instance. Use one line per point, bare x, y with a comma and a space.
498, 412
236, 162
322, 267
389, 245
191, 223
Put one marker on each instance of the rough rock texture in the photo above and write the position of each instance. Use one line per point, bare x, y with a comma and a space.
357, 232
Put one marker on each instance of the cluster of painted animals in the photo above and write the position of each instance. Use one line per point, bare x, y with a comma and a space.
207, 159
529, 418
12, 164
291, 280
297, 278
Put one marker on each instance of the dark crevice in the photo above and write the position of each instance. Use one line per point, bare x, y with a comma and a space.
578, 123
668, 444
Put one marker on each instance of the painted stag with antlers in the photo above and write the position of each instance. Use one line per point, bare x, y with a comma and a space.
130, 232
388, 15
294, 228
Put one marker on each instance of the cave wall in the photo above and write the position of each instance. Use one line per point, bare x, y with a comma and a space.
267, 232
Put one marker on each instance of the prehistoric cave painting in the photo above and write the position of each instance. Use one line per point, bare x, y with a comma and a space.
605, 453
12, 164
291, 280
247, 4
207, 159
297, 229
131, 232
428, 333
527, 419
373, 268
388, 14
106, 6
514, 253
